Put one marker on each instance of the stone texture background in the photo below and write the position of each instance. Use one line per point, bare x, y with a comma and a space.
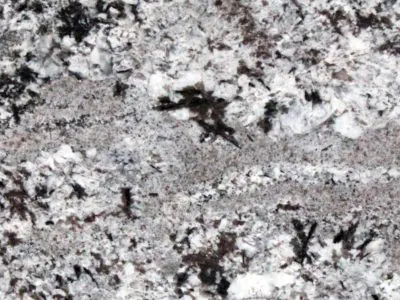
288, 192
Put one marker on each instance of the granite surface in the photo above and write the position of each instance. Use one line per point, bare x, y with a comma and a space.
192, 149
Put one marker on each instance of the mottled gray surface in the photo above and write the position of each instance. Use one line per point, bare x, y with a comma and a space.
123, 194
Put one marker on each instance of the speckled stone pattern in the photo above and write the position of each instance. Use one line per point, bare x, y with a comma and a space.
199, 149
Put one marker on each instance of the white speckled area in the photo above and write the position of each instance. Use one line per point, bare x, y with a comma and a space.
200, 149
